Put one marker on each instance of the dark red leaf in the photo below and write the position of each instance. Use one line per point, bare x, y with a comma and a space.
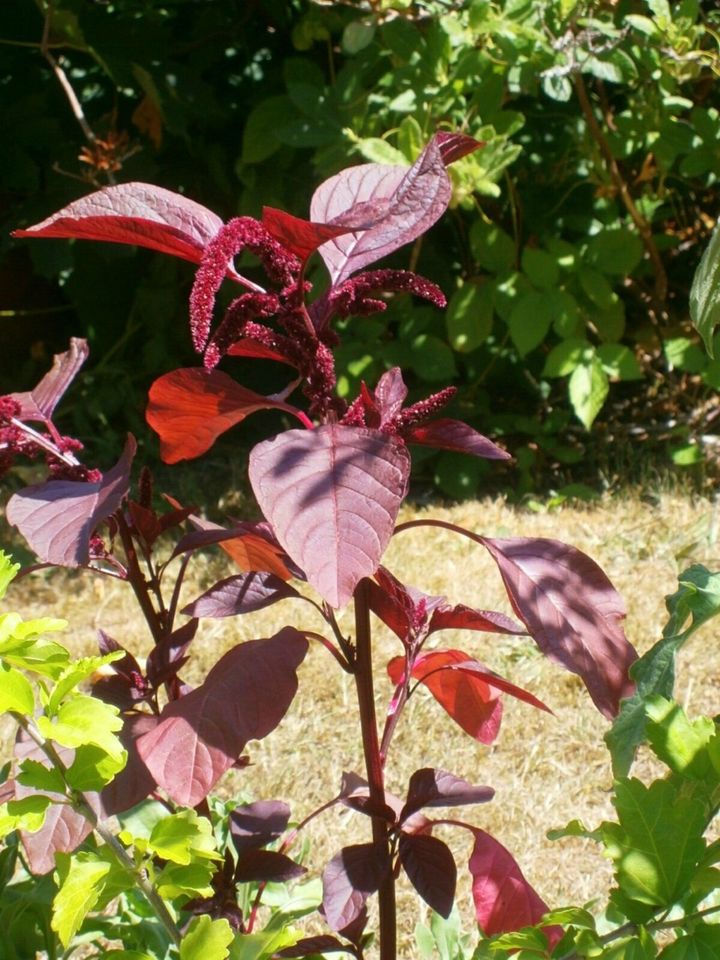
453, 146
467, 697
504, 900
309, 946
167, 657
438, 788
572, 612
355, 794
245, 593
58, 518
146, 522
135, 213
250, 545
244, 697
431, 868
386, 206
445, 434
331, 495
301, 237
461, 617
348, 880
251, 348
40, 402
267, 865
189, 409
254, 825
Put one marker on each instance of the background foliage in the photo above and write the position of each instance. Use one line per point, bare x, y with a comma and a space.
567, 255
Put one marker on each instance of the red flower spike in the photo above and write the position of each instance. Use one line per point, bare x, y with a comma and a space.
248, 307
355, 296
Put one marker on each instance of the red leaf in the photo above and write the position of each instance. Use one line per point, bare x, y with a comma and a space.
390, 394
504, 900
348, 880
438, 788
453, 146
386, 206
461, 617
267, 865
40, 402
135, 213
189, 409
468, 698
241, 594
251, 348
244, 697
572, 612
331, 495
431, 868
301, 237
58, 518
253, 825
445, 434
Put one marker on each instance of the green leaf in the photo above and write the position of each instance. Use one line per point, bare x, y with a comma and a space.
567, 355
575, 828
26, 814
687, 454
41, 777
469, 317
377, 150
191, 880
458, 475
680, 743
492, 247
702, 943
541, 267
8, 572
357, 35
530, 321
596, 287
75, 673
81, 879
259, 141
588, 388
567, 317
615, 250
432, 359
83, 720
657, 842
705, 292
262, 946
571, 917
206, 939
682, 353
619, 362
16, 693
410, 139
183, 837
93, 768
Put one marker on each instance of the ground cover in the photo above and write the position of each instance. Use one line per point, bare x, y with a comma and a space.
546, 769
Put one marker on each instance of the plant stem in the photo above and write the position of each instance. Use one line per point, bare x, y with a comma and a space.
373, 765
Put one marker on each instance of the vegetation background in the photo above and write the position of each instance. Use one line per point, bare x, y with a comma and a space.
567, 254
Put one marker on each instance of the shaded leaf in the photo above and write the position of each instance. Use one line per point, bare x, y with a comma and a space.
348, 880
331, 495
431, 868
189, 409
267, 865
254, 825
245, 593
460, 617
244, 697
705, 292
308, 946
445, 434
58, 518
251, 545
134, 782
572, 612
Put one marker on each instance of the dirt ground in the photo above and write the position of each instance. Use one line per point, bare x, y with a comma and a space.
546, 768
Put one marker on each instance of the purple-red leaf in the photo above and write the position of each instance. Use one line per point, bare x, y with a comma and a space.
390, 393
331, 495
453, 146
446, 434
40, 402
189, 409
461, 617
245, 593
348, 880
504, 900
244, 697
301, 237
58, 518
253, 825
431, 869
472, 703
309, 946
267, 865
438, 788
386, 207
135, 213
572, 612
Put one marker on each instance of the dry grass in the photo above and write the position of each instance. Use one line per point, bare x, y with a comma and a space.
545, 769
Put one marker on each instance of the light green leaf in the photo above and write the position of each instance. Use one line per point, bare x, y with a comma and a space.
377, 150
588, 388
75, 673
81, 879
191, 880
83, 720
682, 353
657, 842
26, 814
687, 454
8, 572
679, 742
206, 939
41, 777
564, 357
93, 768
705, 292
491, 246
469, 317
183, 837
262, 946
410, 139
16, 693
